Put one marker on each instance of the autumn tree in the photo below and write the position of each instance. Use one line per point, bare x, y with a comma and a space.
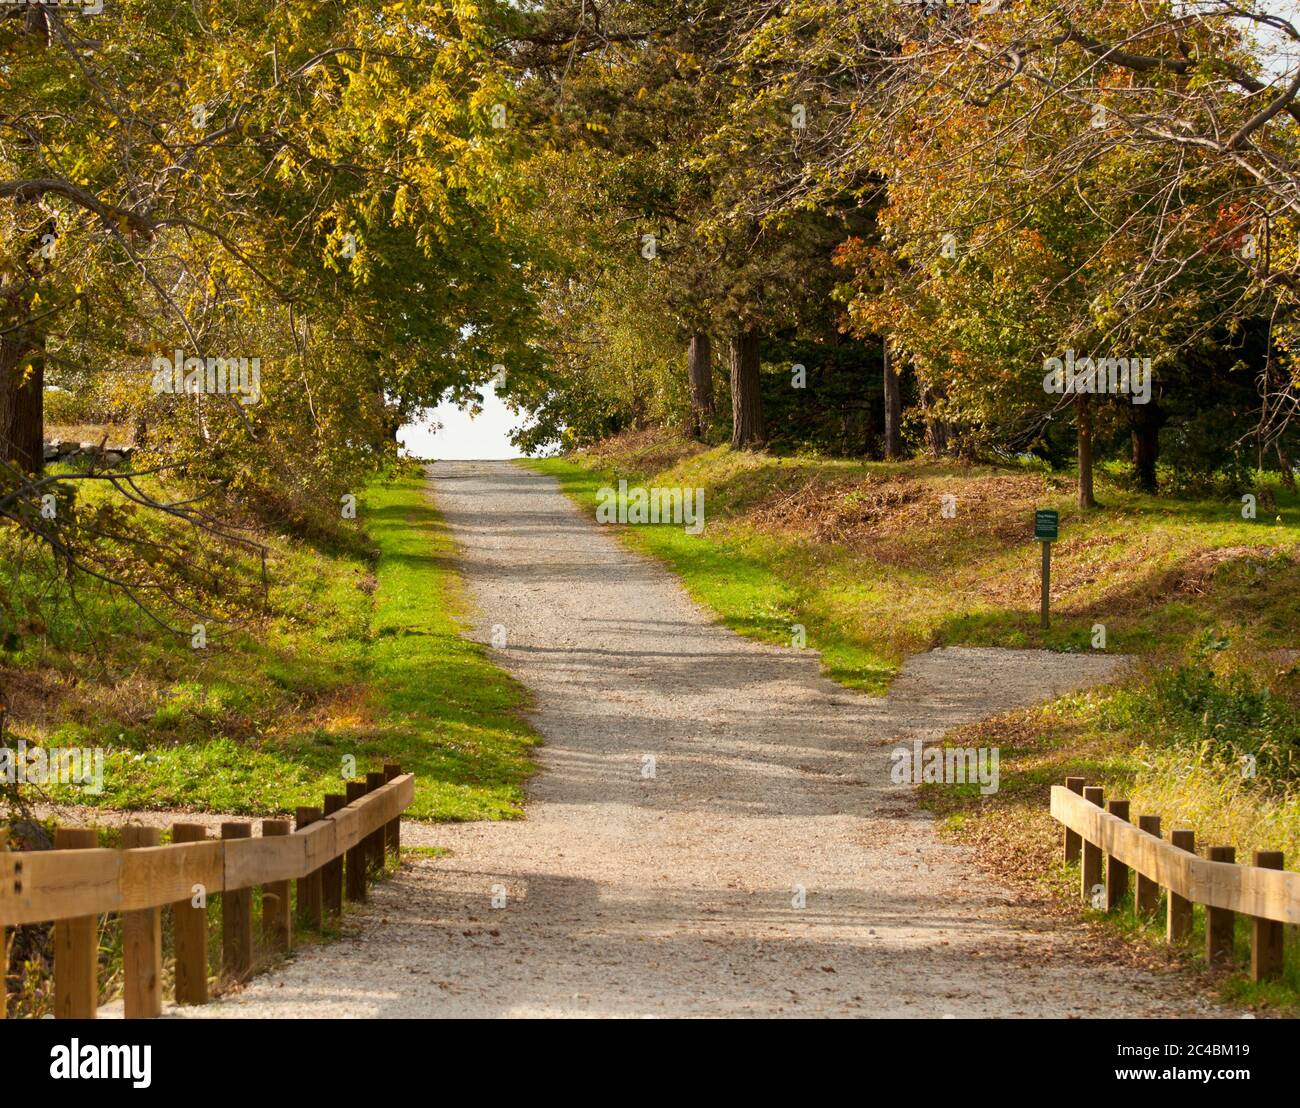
321, 189
1046, 187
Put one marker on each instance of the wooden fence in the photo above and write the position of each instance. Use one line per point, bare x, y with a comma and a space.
78, 881
1263, 891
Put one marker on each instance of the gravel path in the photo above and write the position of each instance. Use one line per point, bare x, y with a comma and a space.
674, 895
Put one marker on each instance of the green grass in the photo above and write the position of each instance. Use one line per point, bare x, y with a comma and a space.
359, 661
425, 851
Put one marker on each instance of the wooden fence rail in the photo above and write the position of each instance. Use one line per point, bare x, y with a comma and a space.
77, 882
1263, 891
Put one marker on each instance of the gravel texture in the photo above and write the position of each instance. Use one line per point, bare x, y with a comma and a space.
675, 894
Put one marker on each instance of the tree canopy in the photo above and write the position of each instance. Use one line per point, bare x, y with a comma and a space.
872, 226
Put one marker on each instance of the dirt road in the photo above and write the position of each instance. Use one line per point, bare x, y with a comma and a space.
712, 832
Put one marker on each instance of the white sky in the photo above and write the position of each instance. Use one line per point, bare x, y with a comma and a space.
1279, 52
451, 433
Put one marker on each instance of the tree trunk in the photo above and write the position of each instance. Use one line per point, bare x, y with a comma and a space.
699, 360
1147, 419
1284, 464
28, 439
938, 432
747, 430
1083, 417
11, 352
22, 396
22, 360
938, 435
22, 391
893, 410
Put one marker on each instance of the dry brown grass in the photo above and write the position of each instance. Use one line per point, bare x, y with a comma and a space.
116, 434
882, 516
46, 698
649, 451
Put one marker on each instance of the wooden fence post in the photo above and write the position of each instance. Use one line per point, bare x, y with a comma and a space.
1090, 865
1220, 923
375, 840
309, 887
1072, 840
1266, 934
237, 916
190, 931
142, 943
277, 921
393, 829
356, 857
1147, 897
1116, 871
76, 944
1178, 916
331, 874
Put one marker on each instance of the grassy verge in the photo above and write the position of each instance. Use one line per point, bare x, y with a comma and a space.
359, 659
442, 707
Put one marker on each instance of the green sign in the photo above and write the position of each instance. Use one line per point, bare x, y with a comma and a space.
1046, 524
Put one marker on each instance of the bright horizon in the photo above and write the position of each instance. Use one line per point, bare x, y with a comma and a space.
450, 433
